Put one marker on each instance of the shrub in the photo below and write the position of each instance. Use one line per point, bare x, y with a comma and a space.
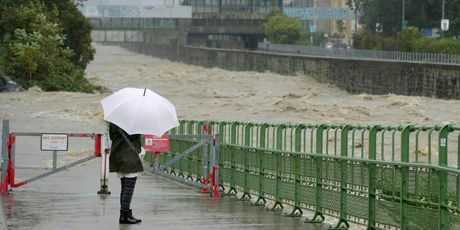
35, 51
306, 39
281, 29
406, 38
77, 30
444, 45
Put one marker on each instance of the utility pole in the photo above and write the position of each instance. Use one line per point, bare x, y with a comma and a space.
355, 6
403, 20
442, 31
442, 9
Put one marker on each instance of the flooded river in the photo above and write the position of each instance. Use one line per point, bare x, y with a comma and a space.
216, 94
199, 94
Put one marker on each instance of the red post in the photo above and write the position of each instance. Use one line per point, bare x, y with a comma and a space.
10, 174
206, 128
205, 182
97, 145
215, 187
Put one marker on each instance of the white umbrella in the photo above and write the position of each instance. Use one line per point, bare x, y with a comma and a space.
140, 111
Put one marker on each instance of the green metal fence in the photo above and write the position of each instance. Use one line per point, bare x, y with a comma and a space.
385, 177
191, 166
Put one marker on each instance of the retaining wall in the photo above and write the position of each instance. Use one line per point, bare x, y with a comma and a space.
352, 75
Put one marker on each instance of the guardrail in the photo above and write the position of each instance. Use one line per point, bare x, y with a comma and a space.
385, 177
361, 54
257, 8
135, 23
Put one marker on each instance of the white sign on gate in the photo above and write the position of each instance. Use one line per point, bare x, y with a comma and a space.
54, 142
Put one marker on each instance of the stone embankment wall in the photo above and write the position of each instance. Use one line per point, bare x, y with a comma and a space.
352, 75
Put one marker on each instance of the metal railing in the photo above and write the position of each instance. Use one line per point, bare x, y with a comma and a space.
361, 54
112, 23
264, 7
385, 177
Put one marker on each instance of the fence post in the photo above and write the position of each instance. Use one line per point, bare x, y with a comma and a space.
233, 138
247, 138
343, 224
372, 177
297, 211
318, 217
4, 159
221, 139
404, 176
442, 174
104, 151
262, 136
205, 157
278, 206
216, 165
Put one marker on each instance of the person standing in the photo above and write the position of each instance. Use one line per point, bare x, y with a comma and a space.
125, 159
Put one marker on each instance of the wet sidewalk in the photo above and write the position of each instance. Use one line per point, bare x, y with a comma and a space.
69, 200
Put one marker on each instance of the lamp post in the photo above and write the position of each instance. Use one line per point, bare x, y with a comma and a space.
403, 19
442, 9
442, 18
355, 9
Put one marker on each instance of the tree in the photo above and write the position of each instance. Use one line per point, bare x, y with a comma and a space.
75, 26
407, 38
340, 26
35, 51
77, 30
281, 29
418, 13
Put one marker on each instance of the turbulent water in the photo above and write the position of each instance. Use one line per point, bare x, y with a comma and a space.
216, 94
211, 94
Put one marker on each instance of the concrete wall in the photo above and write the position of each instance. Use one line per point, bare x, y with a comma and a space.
354, 76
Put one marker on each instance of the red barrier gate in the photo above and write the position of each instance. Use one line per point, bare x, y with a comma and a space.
49, 142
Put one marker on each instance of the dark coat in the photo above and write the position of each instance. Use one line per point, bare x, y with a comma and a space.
122, 158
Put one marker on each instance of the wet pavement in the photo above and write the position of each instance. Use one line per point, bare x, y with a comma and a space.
69, 200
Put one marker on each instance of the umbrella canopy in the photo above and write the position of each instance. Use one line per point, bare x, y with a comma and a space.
140, 111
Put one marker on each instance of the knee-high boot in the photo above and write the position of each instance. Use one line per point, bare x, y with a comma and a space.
126, 216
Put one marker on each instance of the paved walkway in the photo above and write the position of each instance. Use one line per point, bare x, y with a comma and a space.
69, 200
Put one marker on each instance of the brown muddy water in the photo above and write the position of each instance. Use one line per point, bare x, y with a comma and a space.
198, 94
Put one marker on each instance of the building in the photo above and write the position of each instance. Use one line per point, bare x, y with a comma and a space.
332, 17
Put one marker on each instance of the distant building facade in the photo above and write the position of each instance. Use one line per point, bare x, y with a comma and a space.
332, 17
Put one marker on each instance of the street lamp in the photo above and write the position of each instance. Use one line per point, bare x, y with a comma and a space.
444, 23
442, 9
403, 20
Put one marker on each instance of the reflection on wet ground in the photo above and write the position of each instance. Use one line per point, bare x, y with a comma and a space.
69, 200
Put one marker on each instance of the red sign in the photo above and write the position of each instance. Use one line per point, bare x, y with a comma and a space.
157, 144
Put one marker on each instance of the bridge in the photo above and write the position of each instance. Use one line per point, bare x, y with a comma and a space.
380, 177
198, 31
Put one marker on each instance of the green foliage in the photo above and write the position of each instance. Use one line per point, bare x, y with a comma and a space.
77, 30
340, 26
24, 54
367, 40
418, 13
35, 50
307, 38
445, 45
74, 25
2, 58
408, 40
281, 29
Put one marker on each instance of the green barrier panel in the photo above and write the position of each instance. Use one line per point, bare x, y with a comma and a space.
400, 177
